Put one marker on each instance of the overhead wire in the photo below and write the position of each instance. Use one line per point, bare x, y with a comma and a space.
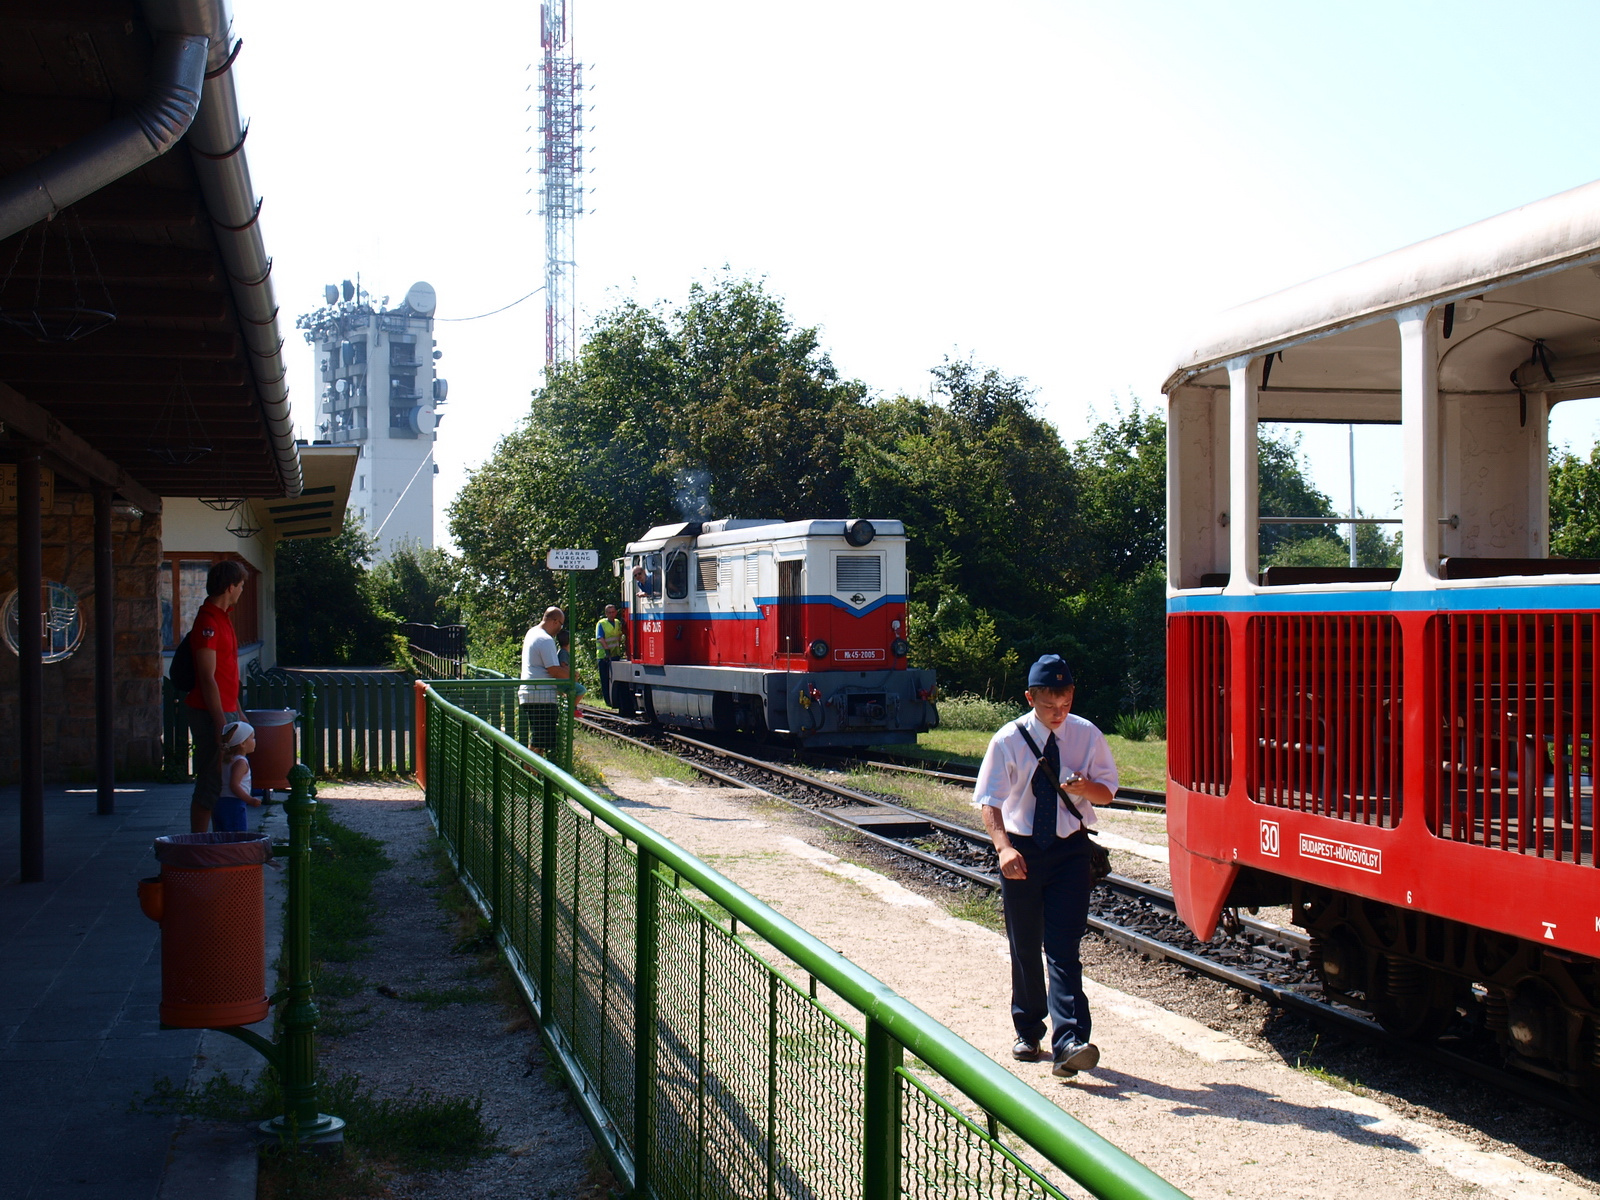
501, 309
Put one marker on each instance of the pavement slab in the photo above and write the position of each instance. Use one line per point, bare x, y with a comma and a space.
80, 982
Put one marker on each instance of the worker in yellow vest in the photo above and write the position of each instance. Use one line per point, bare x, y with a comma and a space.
609, 645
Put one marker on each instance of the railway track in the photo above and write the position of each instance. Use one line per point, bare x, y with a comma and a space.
1267, 960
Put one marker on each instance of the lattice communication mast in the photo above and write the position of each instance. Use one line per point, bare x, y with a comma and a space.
561, 168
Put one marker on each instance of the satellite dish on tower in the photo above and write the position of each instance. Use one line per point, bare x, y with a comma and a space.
421, 299
330, 293
349, 290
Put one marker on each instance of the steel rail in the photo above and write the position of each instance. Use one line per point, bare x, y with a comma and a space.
1322, 1011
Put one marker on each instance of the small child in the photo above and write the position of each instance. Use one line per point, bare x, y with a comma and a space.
238, 740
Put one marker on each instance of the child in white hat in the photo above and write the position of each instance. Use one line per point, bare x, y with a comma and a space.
238, 740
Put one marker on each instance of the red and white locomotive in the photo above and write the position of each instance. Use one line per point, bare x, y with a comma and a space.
1405, 756
795, 628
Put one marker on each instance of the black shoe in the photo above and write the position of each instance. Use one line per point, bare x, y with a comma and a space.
1025, 1051
1075, 1057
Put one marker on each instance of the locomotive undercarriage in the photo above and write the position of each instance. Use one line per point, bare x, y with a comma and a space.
1415, 972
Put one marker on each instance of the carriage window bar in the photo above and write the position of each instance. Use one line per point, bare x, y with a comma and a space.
858, 573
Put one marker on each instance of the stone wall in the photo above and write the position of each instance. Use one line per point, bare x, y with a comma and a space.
69, 727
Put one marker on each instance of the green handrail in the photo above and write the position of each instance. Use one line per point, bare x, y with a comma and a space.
892, 1022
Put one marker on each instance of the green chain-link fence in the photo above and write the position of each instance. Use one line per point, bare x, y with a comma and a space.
716, 1049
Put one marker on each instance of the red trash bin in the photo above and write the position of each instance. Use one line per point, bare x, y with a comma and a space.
274, 752
209, 902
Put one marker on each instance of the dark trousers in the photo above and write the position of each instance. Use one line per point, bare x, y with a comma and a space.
605, 680
542, 725
1049, 910
203, 735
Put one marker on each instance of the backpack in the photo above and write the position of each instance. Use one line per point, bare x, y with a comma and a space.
182, 670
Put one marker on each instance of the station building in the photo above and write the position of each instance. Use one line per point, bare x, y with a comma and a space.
145, 427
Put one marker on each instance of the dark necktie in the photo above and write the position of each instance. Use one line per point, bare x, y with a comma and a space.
1044, 796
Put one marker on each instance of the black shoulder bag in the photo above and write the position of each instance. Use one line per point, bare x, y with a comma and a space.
1099, 856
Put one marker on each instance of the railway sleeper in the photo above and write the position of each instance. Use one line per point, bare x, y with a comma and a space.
1414, 972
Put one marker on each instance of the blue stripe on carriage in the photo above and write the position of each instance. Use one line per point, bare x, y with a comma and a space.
1477, 599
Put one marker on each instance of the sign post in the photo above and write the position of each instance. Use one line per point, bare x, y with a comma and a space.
570, 561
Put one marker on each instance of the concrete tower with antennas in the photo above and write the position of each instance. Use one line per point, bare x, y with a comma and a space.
561, 176
378, 389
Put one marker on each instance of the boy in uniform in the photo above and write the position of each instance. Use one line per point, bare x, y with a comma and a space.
1041, 834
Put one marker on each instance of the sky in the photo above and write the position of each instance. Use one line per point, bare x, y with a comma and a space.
1055, 189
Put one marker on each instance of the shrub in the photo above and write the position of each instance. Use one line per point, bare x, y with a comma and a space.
968, 711
1147, 726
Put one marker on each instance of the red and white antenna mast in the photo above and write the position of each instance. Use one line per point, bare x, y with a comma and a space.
561, 168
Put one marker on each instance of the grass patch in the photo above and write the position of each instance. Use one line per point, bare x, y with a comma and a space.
418, 1131
338, 985
981, 906
343, 865
1303, 1064
1140, 764
434, 998
1147, 726
609, 756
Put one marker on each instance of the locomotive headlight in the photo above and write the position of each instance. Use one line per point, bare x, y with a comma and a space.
859, 533
899, 647
819, 649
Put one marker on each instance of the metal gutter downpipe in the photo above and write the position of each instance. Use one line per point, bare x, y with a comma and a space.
125, 143
216, 144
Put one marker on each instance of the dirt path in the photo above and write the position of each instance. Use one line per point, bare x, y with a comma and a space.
1215, 1116
459, 1048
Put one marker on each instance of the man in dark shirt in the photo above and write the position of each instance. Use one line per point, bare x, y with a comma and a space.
214, 702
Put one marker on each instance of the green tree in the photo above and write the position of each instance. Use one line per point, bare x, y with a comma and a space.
416, 583
1574, 504
721, 407
327, 616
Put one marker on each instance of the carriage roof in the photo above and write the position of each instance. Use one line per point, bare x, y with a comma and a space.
1509, 256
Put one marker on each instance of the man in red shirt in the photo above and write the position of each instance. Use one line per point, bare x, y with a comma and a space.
214, 702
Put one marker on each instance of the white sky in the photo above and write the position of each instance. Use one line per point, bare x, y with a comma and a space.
1057, 188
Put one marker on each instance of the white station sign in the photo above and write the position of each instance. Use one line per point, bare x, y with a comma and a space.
573, 560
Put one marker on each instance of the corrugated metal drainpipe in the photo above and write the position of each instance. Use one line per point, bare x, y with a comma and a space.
148, 130
216, 145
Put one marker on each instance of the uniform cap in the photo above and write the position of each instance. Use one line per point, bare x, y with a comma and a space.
1050, 670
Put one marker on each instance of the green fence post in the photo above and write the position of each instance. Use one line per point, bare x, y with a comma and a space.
308, 719
298, 1049
880, 1142
461, 796
497, 840
646, 943
550, 807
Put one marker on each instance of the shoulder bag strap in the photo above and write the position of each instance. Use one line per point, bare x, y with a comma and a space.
1042, 765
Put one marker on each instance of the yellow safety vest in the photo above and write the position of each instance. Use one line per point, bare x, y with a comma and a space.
608, 638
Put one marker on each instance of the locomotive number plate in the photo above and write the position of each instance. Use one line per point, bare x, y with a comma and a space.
857, 656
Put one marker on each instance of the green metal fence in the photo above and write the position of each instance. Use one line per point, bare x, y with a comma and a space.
352, 721
716, 1049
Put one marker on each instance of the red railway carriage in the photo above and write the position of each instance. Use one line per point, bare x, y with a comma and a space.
1404, 755
795, 628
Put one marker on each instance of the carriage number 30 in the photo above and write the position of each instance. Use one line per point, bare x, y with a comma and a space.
1269, 838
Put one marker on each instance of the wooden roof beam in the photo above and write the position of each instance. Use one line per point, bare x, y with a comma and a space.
68, 453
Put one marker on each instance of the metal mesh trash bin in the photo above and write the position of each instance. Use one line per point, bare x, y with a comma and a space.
274, 752
209, 903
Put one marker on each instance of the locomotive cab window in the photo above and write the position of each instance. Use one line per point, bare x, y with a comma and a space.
646, 585
677, 574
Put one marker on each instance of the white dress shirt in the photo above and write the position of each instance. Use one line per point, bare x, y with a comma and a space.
1005, 781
